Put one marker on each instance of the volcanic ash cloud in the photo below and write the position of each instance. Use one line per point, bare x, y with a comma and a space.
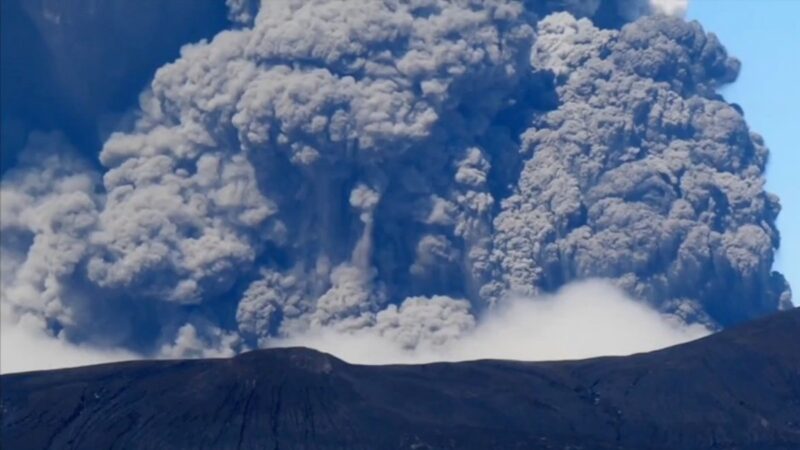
398, 169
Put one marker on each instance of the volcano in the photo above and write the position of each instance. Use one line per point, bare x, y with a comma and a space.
739, 388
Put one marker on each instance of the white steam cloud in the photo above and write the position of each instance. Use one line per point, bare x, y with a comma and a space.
582, 320
670, 7
25, 346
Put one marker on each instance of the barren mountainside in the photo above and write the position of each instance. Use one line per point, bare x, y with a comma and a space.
737, 389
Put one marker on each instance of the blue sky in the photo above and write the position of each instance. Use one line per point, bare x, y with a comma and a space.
765, 36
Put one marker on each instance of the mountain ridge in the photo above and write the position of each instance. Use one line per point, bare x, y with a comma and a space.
739, 388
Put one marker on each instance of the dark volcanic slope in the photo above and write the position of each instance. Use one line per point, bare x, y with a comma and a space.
736, 389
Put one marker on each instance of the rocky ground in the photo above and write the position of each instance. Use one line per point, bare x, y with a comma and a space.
736, 389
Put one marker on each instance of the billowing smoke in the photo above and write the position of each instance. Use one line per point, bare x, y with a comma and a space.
398, 169
585, 319
642, 174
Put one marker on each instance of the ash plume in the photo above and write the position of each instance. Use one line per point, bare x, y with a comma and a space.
642, 174
398, 169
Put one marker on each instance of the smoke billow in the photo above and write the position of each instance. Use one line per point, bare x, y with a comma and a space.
402, 170
585, 319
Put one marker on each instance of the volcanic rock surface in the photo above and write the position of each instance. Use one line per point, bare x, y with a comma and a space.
737, 389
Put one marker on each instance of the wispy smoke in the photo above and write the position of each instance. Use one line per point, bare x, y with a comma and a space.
359, 168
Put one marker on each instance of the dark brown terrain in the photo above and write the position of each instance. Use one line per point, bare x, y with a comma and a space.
737, 389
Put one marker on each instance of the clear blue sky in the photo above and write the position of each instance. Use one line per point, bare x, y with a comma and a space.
765, 36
